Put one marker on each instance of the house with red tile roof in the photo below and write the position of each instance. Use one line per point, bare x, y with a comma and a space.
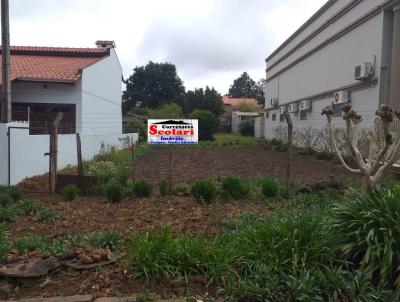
83, 83
236, 102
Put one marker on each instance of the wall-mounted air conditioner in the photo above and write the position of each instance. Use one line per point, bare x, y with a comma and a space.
341, 97
364, 71
274, 102
305, 105
282, 110
293, 107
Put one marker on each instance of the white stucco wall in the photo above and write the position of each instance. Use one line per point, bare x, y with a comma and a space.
102, 97
27, 151
329, 68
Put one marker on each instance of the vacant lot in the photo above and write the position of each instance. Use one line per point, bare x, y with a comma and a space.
253, 161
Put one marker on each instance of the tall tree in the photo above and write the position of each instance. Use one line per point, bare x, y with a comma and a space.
154, 85
205, 99
246, 87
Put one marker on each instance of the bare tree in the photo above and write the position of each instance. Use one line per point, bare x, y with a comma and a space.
381, 157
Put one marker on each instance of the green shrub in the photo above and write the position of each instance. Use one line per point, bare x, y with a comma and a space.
208, 123
137, 125
105, 170
114, 191
325, 156
246, 127
236, 187
47, 215
70, 192
270, 187
281, 148
28, 207
10, 194
142, 188
204, 190
163, 187
367, 230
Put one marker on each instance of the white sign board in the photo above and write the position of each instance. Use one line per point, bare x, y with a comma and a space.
172, 132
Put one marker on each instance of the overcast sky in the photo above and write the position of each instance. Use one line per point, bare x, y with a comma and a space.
210, 41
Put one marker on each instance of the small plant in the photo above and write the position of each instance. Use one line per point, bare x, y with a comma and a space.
270, 187
163, 187
114, 191
236, 187
47, 215
70, 192
204, 190
142, 188
325, 156
29, 207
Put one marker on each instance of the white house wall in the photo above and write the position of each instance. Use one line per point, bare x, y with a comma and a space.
102, 97
27, 157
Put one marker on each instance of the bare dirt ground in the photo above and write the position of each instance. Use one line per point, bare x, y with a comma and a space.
180, 213
256, 161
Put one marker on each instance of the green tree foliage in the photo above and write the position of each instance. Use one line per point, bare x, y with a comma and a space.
168, 111
246, 127
154, 85
208, 123
246, 87
206, 99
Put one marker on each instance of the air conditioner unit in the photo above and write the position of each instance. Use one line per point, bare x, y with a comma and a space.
341, 97
293, 107
364, 71
274, 102
282, 110
305, 105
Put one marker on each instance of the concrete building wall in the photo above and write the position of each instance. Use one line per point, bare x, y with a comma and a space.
102, 97
325, 63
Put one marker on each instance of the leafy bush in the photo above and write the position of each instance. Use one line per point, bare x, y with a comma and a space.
142, 188
10, 194
236, 187
163, 187
208, 123
246, 127
204, 190
167, 111
270, 187
105, 170
137, 125
325, 156
367, 230
47, 215
114, 191
70, 192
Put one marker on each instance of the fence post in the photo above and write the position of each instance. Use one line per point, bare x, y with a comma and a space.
289, 147
79, 154
53, 152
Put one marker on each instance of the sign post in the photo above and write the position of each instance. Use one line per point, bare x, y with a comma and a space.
172, 132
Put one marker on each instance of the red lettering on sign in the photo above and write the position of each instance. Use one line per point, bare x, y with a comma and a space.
153, 129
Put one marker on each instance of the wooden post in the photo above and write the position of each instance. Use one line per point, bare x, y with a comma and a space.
53, 152
79, 154
5, 38
289, 147
170, 173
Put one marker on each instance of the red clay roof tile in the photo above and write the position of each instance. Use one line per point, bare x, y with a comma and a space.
51, 63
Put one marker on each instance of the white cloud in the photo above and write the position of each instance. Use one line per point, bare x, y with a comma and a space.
211, 41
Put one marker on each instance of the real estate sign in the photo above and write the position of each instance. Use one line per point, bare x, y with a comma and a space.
172, 132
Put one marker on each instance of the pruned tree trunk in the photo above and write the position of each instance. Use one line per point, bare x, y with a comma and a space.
289, 148
380, 158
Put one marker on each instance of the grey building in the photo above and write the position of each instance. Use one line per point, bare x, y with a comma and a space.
348, 51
